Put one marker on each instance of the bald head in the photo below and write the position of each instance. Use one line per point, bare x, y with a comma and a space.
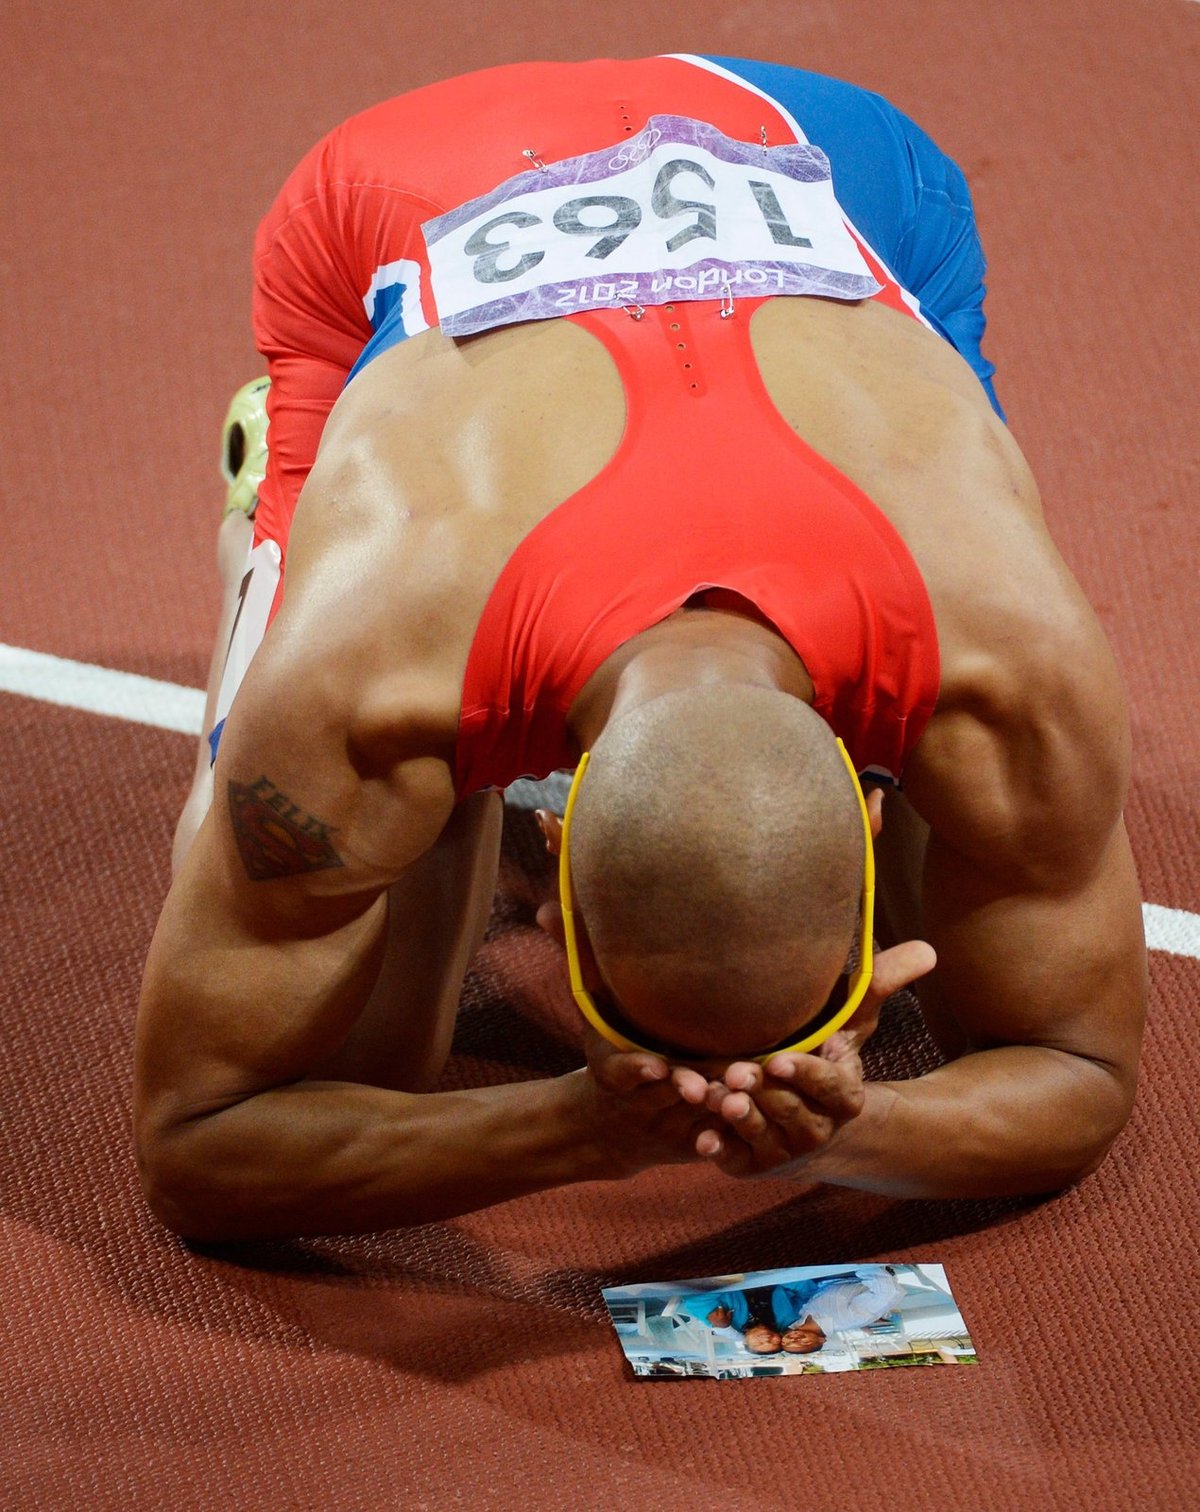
717, 860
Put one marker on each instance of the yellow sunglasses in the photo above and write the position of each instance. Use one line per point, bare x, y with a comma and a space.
815, 1032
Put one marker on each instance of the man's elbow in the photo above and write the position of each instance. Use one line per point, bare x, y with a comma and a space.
175, 1210
1091, 1130
1097, 1152
1056, 1135
180, 1190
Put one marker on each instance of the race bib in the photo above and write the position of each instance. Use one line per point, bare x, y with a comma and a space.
674, 213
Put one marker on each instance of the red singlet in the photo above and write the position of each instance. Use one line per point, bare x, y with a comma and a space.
709, 488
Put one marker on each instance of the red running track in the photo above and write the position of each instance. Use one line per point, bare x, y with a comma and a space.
470, 1363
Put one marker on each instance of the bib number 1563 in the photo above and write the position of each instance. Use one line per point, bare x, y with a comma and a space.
678, 197
607, 220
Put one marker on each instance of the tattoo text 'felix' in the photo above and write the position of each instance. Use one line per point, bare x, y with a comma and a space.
275, 837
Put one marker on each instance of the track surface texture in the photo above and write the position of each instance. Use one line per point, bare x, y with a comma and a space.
470, 1363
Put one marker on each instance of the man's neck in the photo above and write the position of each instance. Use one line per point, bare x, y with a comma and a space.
689, 649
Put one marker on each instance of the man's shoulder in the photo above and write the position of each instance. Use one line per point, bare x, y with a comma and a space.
1024, 766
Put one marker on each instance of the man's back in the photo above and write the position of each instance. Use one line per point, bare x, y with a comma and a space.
447, 455
458, 450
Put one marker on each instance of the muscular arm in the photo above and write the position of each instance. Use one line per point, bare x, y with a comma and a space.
1027, 892
240, 1132
236, 1141
252, 1118
240, 1136
1048, 990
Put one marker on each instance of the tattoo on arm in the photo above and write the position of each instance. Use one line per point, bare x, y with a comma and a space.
275, 837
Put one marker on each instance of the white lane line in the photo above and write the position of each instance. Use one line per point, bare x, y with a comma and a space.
1172, 929
101, 690
168, 706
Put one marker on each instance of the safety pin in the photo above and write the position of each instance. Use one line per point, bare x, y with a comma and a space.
635, 311
535, 160
726, 311
762, 131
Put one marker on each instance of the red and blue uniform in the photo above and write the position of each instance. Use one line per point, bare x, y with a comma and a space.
341, 267
342, 272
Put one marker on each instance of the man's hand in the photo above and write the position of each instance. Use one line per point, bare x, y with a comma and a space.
774, 1120
643, 1111
777, 1114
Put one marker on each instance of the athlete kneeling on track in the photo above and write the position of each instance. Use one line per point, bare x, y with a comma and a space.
655, 441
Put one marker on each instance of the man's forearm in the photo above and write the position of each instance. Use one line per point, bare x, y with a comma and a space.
332, 1157
1004, 1122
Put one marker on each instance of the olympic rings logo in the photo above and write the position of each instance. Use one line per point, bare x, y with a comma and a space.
637, 150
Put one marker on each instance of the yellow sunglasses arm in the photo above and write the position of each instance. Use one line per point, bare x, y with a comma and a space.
566, 898
866, 949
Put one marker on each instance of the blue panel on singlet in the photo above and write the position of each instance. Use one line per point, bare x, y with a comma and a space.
901, 191
388, 321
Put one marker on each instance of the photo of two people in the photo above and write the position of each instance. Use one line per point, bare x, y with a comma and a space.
807, 1321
